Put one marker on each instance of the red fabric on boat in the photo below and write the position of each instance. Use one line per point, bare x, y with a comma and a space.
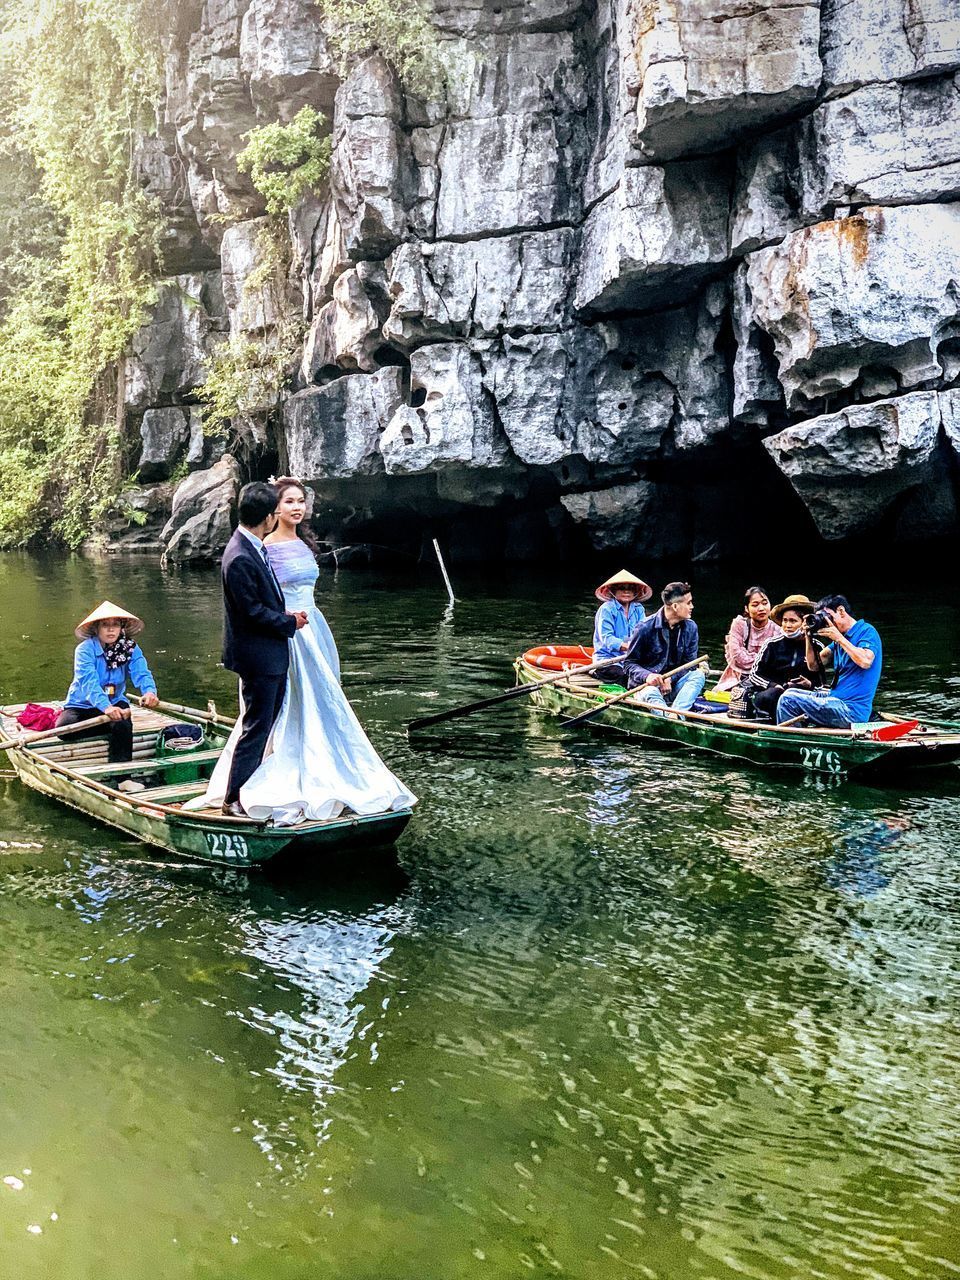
37, 718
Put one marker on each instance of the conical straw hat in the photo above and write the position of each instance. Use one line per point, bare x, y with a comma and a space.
604, 591
88, 627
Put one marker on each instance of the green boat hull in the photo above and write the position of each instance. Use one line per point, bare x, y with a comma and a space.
200, 835
810, 750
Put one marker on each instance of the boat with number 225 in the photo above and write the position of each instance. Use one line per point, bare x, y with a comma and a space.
77, 773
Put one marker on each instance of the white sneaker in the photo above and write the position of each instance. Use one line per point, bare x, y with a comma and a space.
130, 784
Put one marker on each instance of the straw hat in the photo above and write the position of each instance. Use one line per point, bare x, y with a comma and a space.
605, 590
88, 627
800, 603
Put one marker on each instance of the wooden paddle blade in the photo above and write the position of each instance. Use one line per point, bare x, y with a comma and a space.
891, 731
594, 711
469, 707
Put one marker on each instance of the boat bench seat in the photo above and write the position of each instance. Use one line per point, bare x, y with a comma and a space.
155, 765
172, 792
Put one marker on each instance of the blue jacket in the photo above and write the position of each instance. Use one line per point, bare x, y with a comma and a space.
92, 678
612, 626
650, 644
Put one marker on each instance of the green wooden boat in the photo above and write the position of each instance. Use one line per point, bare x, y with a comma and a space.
76, 772
835, 752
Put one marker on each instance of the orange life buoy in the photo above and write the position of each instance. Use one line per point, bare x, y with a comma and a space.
559, 657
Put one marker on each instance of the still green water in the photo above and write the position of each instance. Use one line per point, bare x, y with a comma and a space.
609, 1012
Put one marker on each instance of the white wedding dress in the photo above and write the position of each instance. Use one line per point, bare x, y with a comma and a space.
319, 762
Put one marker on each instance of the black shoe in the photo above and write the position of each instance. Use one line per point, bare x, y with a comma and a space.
232, 809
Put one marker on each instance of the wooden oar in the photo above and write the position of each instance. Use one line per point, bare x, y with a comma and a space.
621, 697
950, 725
29, 738
469, 707
177, 708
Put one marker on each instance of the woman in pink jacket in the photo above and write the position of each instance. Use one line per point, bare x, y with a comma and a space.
749, 632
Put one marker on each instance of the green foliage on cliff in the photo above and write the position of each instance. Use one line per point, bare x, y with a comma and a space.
245, 377
79, 80
400, 30
286, 160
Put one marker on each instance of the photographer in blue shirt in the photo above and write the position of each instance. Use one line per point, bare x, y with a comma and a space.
856, 653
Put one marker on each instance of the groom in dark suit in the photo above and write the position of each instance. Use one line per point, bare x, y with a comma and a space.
256, 633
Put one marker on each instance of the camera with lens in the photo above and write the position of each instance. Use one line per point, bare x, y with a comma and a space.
817, 620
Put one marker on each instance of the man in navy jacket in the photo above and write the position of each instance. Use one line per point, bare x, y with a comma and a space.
667, 639
256, 633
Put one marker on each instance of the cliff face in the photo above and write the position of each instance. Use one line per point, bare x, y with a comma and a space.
651, 266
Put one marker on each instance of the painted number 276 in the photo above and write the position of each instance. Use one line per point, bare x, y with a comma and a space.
818, 758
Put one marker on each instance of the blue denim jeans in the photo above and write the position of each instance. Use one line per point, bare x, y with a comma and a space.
686, 690
820, 708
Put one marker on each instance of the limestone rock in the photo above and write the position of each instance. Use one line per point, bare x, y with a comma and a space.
653, 240
851, 467
660, 384
756, 390
887, 40
345, 333
164, 433
284, 56
832, 298
479, 288
710, 68
647, 518
334, 431
371, 174
533, 380
251, 306
208, 102
884, 144
767, 193
511, 172
162, 173
201, 520
453, 423
168, 356
477, 17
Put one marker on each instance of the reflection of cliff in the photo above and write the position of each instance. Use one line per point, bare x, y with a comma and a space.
641, 257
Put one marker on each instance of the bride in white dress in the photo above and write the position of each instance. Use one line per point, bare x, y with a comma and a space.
318, 762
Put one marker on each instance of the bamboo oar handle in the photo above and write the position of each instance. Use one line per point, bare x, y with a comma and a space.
29, 738
621, 697
468, 708
177, 708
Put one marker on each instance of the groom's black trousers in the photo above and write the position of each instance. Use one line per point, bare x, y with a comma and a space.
262, 700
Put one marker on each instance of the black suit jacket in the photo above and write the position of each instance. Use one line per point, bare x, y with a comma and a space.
256, 627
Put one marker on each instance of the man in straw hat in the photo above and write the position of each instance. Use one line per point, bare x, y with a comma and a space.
103, 661
618, 616
257, 630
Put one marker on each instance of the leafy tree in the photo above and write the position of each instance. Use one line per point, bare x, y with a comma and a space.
79, 83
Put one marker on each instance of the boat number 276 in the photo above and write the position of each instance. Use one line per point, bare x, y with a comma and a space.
818, 758
230, 848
